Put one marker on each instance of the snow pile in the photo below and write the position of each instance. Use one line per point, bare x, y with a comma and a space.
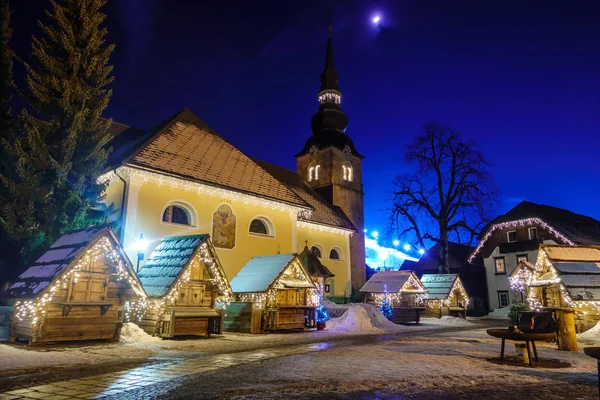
447, 321
499, 313
591, 336
335, 310
131, 333
361, 318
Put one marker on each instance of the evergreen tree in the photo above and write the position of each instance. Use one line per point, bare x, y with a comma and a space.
63, 147
386, 307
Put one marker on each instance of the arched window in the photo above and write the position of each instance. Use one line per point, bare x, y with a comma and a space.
334, 254
313, 172
347, 173
261, 226
316, 251
177, 214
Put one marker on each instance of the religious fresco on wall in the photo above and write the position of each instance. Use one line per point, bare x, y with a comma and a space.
223, 228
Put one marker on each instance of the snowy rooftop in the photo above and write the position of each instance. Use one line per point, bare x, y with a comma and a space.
390, 281
167, 262
54, 261
260, 272
439, 286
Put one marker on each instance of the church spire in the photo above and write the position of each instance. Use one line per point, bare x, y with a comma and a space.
329, 77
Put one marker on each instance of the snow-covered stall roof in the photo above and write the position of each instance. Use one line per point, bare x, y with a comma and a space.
439, 286
522, 265
57, 258
393, 282
168, 261
576, 267
261, 272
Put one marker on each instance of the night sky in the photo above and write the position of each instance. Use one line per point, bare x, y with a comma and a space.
522, 78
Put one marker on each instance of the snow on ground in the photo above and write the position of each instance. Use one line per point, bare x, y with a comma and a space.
591, 336
131, 333
498, 313
447, 321
363, 318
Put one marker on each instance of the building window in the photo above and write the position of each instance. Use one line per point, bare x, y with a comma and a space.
347, 173
500, 267
511, 236
316, 251
503, 298
334, 254
313, 172
533, 234
521, 257
261, 226
177, 214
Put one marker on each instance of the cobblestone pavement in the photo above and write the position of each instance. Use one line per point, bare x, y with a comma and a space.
119, 383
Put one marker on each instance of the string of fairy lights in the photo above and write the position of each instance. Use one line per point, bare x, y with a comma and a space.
412, 286
543, 266
268, 299
514, 224
138, 310
102, 250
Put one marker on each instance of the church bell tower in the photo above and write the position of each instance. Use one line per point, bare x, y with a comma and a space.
330, 163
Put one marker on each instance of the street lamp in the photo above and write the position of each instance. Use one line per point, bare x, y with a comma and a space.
396, 243
421, 251
407, 247
375, 234
140, 246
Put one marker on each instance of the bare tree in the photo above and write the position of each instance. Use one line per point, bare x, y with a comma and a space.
447, 195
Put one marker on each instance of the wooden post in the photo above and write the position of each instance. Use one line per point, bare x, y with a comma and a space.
567, 336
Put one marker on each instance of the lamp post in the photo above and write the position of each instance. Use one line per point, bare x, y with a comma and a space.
140, 246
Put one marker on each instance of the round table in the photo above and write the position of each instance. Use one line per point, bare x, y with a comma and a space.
595, 353
529, 337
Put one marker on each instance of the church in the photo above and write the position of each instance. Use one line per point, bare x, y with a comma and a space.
183, 178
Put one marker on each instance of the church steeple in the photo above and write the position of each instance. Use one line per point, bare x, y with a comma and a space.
329, 77
329, 123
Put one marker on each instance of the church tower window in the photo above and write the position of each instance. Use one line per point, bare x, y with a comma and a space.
347, 172
313, 172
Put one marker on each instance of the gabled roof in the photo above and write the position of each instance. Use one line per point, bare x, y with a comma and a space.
577, 267
313, 265
186, 147
391, 281
168, 261
58, 258
323, 212
522, 265
581, 229
439, 286
261, 272
567, 226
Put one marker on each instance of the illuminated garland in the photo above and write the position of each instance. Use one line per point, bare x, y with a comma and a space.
412, 285
543, 265
200, 188
521, 280
324, 228
439, 303
514, 224
136, 311
268, 299
328, 96
103, 249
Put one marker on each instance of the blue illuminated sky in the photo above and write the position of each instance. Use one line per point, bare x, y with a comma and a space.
523, 78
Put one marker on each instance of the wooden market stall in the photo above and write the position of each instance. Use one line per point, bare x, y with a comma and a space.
319, 273
404, 290
567, 279
272, 293
184, 281
76, 290
446, 295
